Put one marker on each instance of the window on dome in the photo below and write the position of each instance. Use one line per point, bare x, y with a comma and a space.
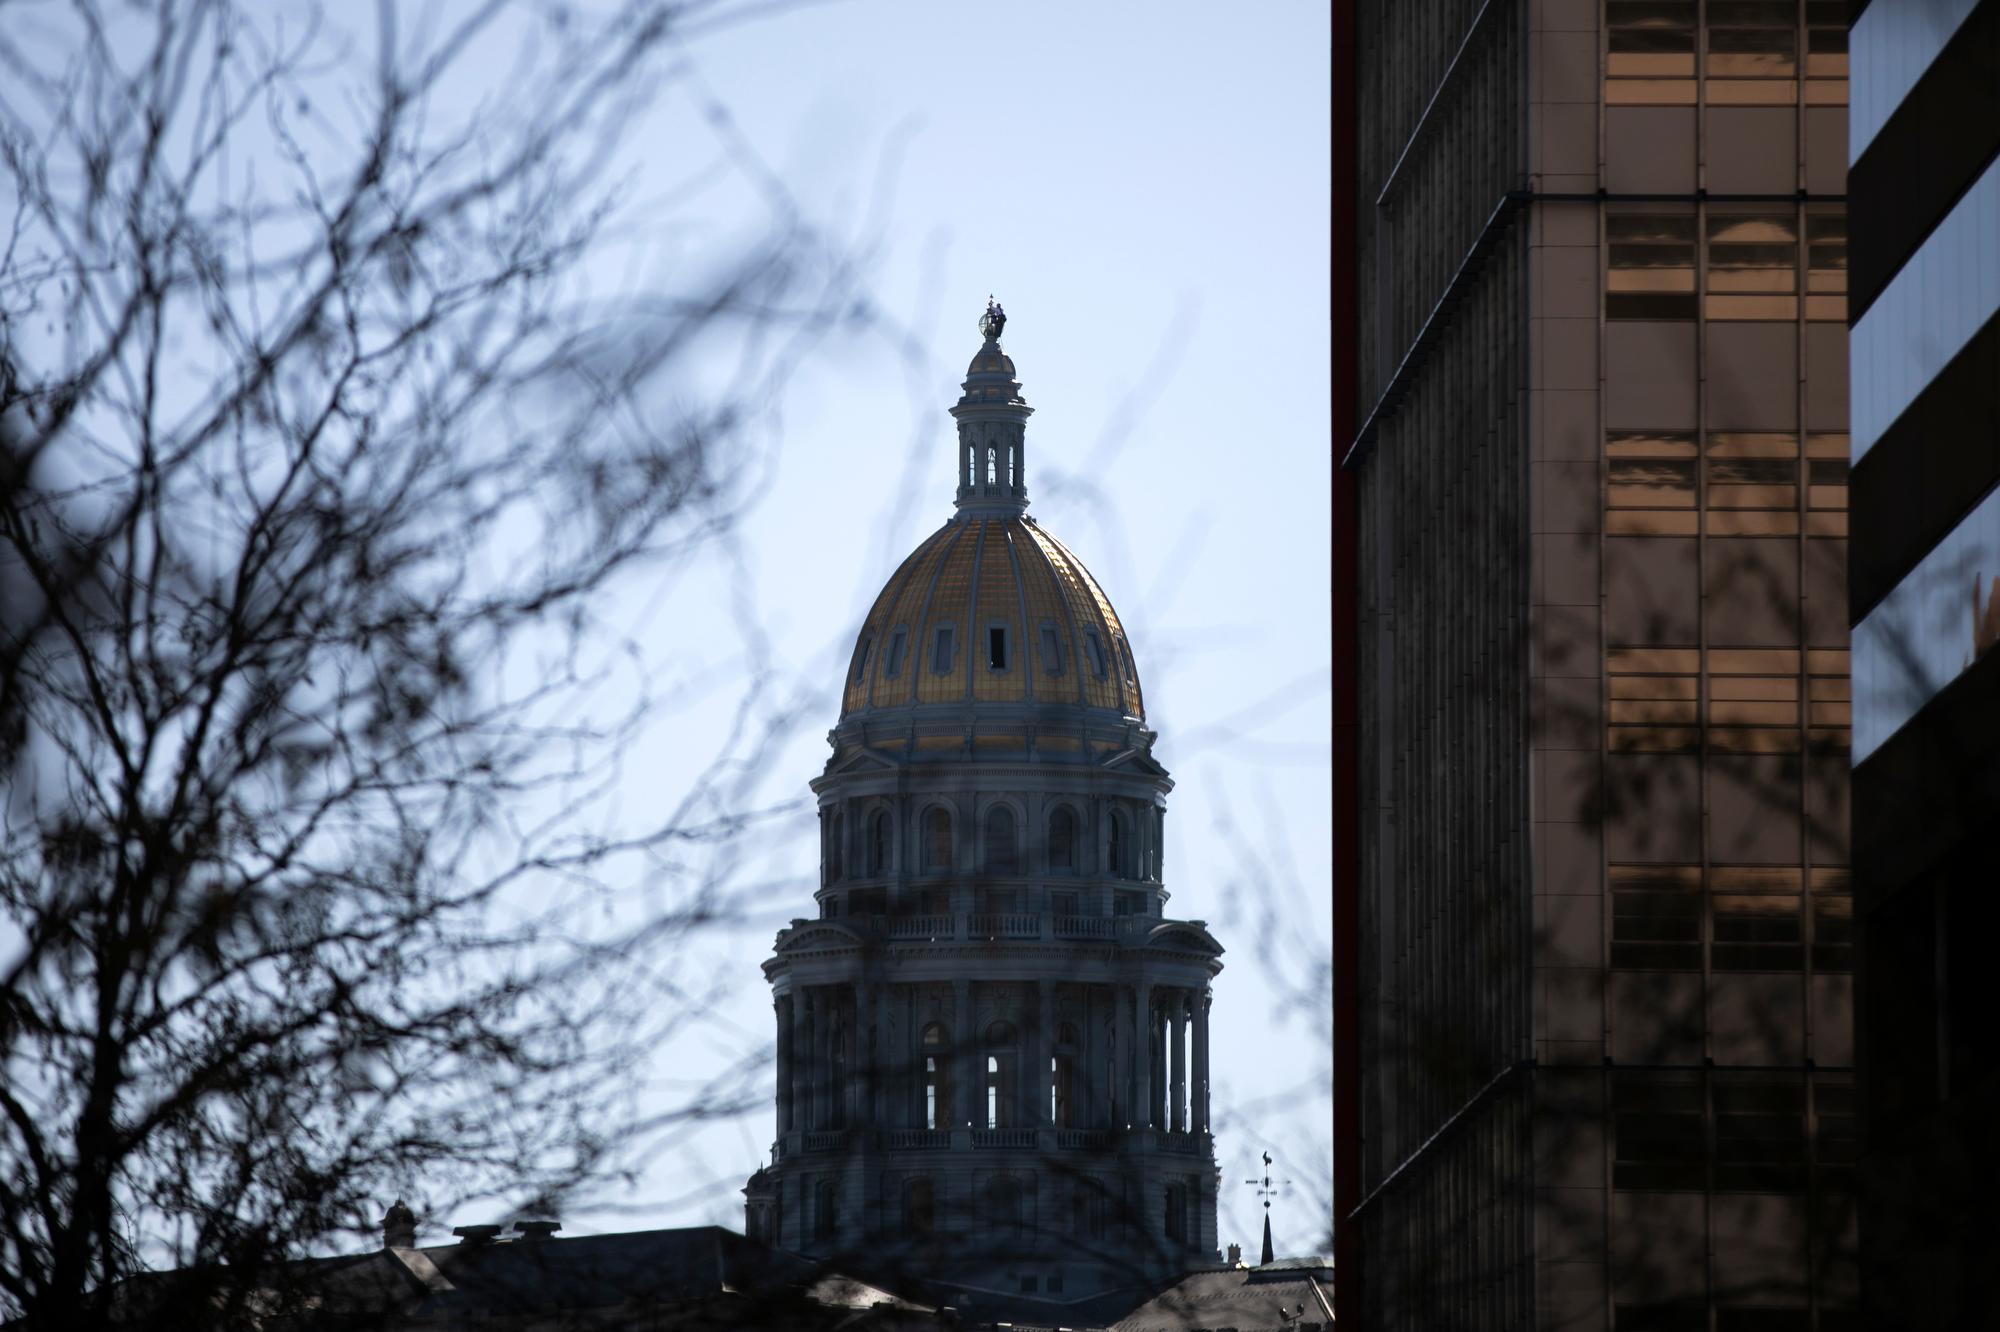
941, 650
1051, 650
861, 662
894, 665
1095, 647
996, 647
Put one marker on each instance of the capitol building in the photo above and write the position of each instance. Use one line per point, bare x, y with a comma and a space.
992, 1035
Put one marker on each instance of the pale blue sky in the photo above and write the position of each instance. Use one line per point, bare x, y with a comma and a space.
1145, 187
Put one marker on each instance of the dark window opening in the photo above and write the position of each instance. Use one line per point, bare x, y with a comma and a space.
1095, 648
996, 648
861, 662
1062, 841
1003, 1201
878, 843
1657, 1122
1002, 856
1760, 1135
1114, 847
823, 1210
937, 841
894, 666
941, 651
919, 1208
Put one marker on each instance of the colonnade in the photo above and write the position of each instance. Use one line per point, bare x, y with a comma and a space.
1137, 1056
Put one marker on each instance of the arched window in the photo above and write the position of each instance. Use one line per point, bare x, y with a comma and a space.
878, 843
1003, 1200
1177, 1212
937, 1077
992, 464
1062, 841
1001, 855
919, 1208
1115, 846
937, 841
1001, 1064
823, 1209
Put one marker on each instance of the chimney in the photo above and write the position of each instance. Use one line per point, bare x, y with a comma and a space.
472, 1236
399, 1227
536, 1230
1236, 1255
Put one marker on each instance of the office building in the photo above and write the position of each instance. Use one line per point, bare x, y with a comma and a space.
1925, 578
1594, 917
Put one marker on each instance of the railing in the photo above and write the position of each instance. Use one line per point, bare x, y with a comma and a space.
987, 925
1003, 1137
921, 927
825, 1140
1085, 1140
1006, 925
919, 1139
1086, 927
1187, 1144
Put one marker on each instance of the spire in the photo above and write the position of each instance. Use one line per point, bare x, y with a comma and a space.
1267, 1240
992, 423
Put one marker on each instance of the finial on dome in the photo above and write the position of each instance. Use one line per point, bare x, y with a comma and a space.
991, 421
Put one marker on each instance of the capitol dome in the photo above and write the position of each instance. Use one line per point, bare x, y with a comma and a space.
992, 1039
992, 610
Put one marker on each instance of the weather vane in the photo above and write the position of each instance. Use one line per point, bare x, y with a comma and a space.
994, 319
1267, 1191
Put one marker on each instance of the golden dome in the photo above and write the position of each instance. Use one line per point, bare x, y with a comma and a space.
992, 609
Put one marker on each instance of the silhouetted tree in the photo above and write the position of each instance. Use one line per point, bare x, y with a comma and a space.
317, 464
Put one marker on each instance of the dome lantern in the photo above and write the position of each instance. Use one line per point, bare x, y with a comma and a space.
992, 425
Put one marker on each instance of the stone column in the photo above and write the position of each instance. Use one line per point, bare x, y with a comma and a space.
783, 1008
970, 1069
801, 1013
1200, 1097
861, 1063
809, 1102
1142, 1055
1177, 1115
1044, 1044
1086, 1080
